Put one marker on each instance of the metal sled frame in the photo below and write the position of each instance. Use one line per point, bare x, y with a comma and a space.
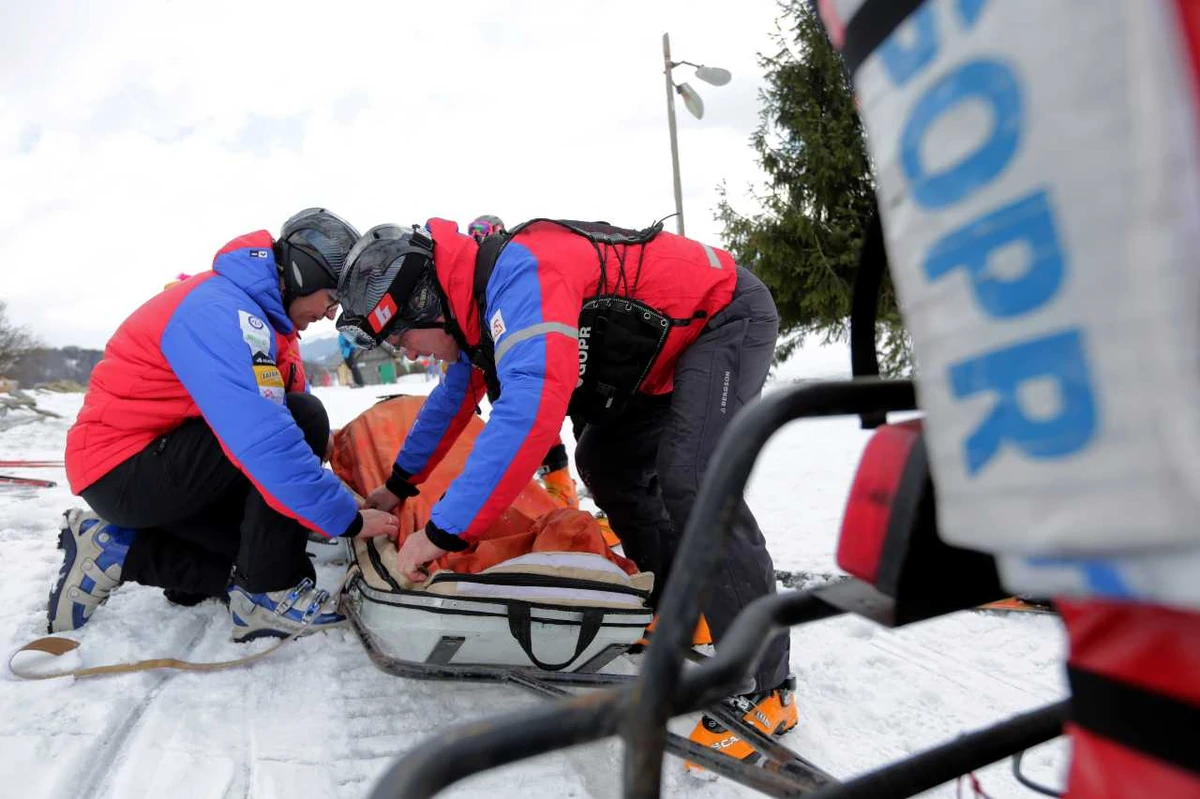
638, 708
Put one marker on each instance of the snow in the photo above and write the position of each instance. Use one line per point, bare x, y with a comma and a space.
316, 718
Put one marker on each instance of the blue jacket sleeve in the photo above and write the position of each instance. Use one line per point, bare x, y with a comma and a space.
537, 359
442, 417
211, 344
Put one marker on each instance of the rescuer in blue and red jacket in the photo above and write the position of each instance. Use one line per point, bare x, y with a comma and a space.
555, 471
200, 457
648, 340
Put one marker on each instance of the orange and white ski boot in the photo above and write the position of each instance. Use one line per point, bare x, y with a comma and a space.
610, 538
701, 636
773, 712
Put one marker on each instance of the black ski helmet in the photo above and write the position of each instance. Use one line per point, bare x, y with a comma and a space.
389, 285
311, 251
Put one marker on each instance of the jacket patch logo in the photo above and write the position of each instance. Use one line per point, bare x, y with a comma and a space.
258, 253
383, 313
270, 382
254, 333
497, 325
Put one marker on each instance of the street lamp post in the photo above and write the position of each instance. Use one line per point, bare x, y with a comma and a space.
691, 100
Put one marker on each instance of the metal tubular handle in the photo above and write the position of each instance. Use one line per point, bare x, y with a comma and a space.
700, 551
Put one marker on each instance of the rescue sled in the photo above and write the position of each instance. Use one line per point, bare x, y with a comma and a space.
541, 591
541, 602
521, 613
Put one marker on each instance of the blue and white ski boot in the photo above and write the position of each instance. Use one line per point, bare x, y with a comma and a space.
93, 553
279, 614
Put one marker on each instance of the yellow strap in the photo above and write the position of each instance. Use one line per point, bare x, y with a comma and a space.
61, 646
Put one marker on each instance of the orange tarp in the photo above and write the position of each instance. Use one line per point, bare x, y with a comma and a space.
365, 449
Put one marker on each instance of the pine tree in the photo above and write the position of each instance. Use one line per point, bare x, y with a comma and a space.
805, 239
15, 340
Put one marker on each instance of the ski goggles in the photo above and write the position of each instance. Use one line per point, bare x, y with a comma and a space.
480, 230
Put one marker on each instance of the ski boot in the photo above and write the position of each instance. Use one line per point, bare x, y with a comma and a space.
701, 636
561, 487
279, 614
773, 712
610, 538
93, 553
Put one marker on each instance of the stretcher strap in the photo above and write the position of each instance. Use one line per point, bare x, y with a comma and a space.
60, 646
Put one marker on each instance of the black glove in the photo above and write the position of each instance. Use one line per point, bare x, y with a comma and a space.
399, 484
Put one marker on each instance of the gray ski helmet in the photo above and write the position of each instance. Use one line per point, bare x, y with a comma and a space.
311, 251
389, 285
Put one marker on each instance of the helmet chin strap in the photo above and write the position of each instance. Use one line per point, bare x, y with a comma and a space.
450, 325
285, 293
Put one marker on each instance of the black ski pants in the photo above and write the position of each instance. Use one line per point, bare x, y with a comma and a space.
644, 469
199, 520
351, 362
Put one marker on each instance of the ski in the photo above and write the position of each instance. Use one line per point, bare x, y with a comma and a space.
1017, 604
778, 771
8, 479
803, 580
31, 464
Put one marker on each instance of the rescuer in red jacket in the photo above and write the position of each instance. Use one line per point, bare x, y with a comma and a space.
650, 341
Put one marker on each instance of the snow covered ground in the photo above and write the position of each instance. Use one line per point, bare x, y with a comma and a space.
317, 719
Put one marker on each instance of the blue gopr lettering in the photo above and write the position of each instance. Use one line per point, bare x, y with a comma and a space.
903, 61
970, 248
1101, 577
1058, 356
970, 10
983, 79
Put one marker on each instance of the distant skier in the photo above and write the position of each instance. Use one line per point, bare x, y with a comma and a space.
349, 354
653, 376
202, 468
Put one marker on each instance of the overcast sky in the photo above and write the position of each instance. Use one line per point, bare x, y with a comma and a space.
137, 137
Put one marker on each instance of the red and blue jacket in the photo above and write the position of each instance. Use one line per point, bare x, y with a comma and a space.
534, 298
212, 346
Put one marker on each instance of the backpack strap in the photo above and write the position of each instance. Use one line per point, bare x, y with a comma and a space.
598, 232
484, 355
